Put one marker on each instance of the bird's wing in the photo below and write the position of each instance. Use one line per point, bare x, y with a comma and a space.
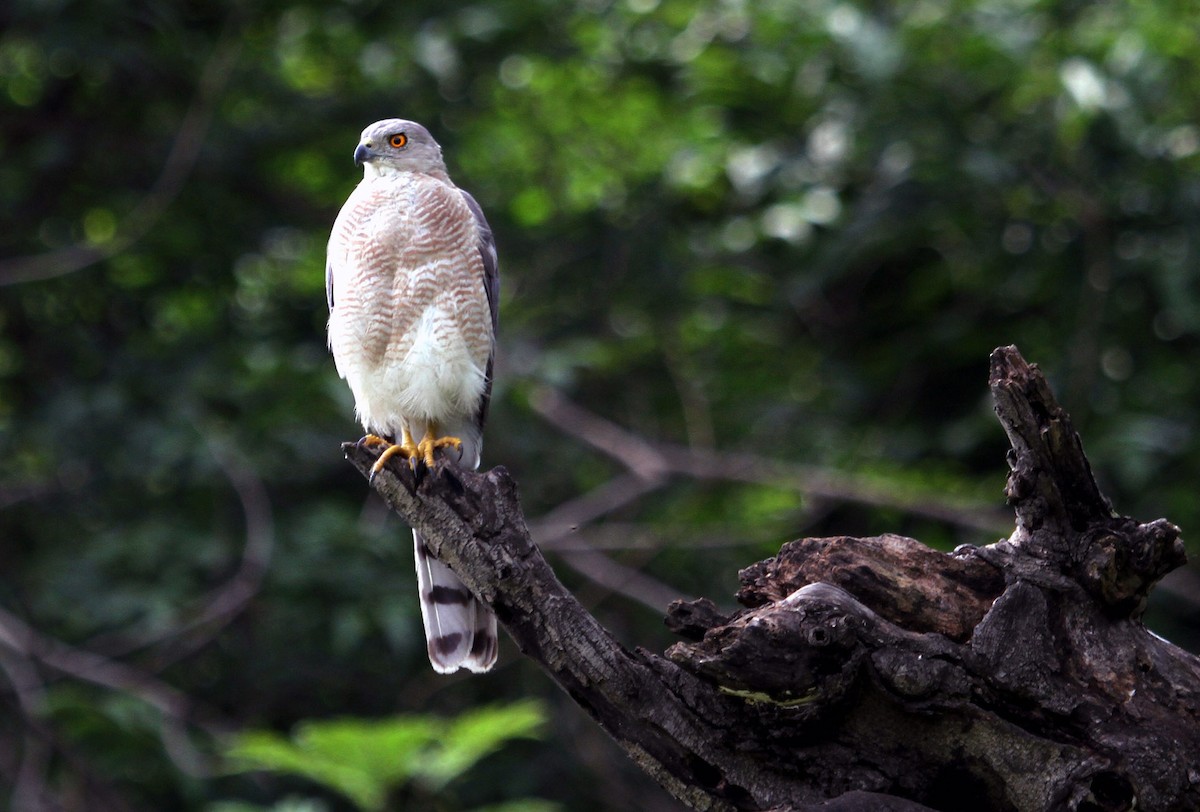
491, 262
329, 284
491, 285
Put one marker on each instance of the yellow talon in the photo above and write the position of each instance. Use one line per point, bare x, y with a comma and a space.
405, 448
410, 450
428, 445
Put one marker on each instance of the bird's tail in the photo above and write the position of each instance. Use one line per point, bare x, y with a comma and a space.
459, 630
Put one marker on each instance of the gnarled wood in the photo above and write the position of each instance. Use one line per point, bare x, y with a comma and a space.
878, 672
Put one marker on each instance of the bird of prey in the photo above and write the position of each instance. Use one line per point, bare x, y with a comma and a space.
413, 286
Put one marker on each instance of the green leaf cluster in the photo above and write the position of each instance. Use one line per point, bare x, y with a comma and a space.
366, 759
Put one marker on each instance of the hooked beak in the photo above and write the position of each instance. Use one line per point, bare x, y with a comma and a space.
362, 154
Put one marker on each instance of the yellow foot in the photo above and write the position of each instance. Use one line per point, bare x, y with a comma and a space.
428, 445
405, 448
409, 450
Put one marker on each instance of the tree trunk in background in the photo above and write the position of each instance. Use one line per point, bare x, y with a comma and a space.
877, 672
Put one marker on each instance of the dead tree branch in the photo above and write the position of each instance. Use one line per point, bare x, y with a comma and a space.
875, 671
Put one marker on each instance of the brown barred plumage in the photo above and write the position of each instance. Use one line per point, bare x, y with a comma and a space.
413, 287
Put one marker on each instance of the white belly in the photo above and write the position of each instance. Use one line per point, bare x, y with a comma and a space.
430, 377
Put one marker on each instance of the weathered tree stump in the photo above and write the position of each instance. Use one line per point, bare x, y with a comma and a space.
875, 673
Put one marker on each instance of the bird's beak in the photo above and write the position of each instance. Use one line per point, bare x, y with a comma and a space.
362, 154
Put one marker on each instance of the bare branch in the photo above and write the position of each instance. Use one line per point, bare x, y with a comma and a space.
595, 504
655, 460
17, 492
99, 670
549, 623
615, 535
29, 785
565, 520
628, 581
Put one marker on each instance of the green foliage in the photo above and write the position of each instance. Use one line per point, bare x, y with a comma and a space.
475, 734
366, 759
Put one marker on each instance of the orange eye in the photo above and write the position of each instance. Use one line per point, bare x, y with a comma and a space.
398, 140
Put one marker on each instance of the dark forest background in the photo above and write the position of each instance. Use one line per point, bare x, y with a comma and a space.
778, 239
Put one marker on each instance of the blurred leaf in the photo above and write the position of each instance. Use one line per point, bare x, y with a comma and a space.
365, 759
473, 735
360, 759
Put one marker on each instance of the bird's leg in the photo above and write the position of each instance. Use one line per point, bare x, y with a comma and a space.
405, 448
431, 442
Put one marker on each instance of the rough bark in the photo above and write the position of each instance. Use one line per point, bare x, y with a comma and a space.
875, 673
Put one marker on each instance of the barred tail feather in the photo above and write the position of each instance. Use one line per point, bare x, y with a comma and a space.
486, 643
459, 630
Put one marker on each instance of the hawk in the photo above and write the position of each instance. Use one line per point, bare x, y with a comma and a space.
413, 283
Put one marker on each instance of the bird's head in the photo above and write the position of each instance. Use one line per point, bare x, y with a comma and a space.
395, 145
